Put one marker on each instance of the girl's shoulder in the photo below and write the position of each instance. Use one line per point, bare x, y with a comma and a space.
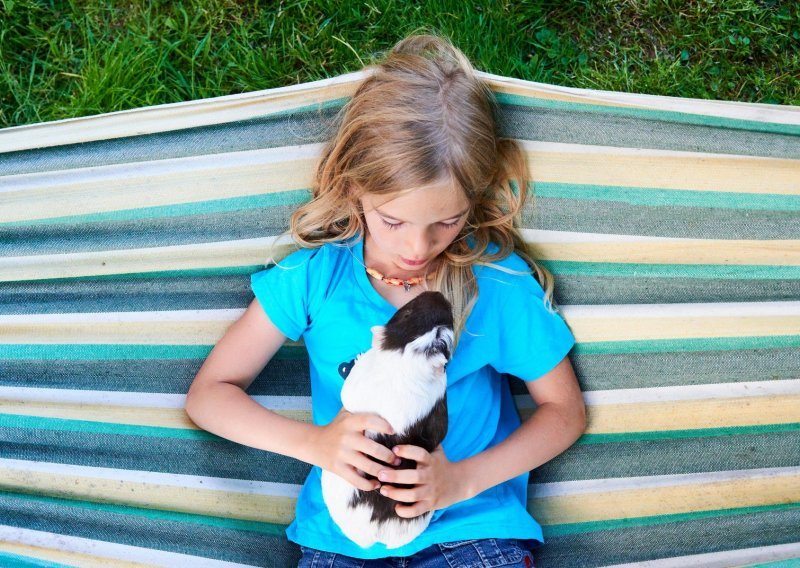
304, 256
510, 270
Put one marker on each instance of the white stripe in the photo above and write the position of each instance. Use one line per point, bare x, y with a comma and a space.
124, 317
719, 391
139, 172
693, 310
248, 487
58, 264
135, 399
726, 559
694, 392
105, 549
729, 109
566, 488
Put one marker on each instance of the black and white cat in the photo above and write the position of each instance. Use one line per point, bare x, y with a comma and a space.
402, 379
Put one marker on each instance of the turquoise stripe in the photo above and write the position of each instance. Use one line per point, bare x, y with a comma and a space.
103, 352
111, 352
286, 198
557, 267
246, 270
669, 197
576, 528
270, 529
790, 563
691, 344
16, 352
68, 425
8, 560
678, 434
641, 270
650, 114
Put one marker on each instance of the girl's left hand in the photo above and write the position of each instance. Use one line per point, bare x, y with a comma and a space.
436, 483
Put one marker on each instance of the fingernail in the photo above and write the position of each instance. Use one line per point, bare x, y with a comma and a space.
397, 461
382, 475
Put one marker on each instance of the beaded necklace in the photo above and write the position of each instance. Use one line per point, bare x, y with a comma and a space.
407, 284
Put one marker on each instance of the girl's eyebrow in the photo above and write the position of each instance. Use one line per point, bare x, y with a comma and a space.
382, 214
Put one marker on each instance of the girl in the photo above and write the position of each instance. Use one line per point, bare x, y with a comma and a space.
413, 192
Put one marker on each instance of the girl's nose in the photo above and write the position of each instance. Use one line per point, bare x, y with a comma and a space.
421, 244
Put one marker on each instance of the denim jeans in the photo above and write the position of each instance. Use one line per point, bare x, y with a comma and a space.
460, 554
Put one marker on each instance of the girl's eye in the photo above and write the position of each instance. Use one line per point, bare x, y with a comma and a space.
391, 225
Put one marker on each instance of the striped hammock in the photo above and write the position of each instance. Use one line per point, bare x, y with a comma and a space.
672, 227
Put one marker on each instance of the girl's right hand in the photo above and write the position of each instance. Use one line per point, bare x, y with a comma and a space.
342, 447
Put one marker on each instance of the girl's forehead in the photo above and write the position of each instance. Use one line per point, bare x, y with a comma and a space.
437, 202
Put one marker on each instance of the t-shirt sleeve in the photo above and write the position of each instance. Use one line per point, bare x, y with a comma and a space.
532, 340
286, 292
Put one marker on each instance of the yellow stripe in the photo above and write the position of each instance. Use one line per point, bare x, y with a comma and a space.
550, 163
706, 251
602, 418
689, 414
154, 332
653, 169
622, 328
133, 415
67, 557
586, 329
669, 500
153, 190
229, 504
554, 94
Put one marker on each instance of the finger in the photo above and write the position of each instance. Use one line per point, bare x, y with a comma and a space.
378, 451
375, 423
405, 476
410, 511
412, 453
408, 496
353, 478
366, 465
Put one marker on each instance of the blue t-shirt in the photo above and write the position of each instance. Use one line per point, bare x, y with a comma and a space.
325, 296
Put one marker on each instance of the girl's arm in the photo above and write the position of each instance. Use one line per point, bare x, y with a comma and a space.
559, 420
217, 402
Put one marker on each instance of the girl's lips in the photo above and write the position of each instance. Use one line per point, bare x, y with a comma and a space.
413, 262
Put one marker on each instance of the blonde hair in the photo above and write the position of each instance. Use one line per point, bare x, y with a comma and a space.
422, 117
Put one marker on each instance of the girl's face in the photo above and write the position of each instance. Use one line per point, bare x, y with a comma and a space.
406, 233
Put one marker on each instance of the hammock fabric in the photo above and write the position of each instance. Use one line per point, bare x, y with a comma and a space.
127, 241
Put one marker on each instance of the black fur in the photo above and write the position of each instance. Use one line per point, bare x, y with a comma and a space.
416, 318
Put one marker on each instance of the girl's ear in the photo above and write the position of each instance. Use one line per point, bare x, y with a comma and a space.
378, 332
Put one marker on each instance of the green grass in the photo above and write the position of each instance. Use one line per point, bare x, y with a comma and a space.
66, 59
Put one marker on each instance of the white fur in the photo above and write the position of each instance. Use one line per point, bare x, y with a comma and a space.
402, 388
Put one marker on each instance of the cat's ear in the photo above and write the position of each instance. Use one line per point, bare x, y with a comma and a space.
378, 331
